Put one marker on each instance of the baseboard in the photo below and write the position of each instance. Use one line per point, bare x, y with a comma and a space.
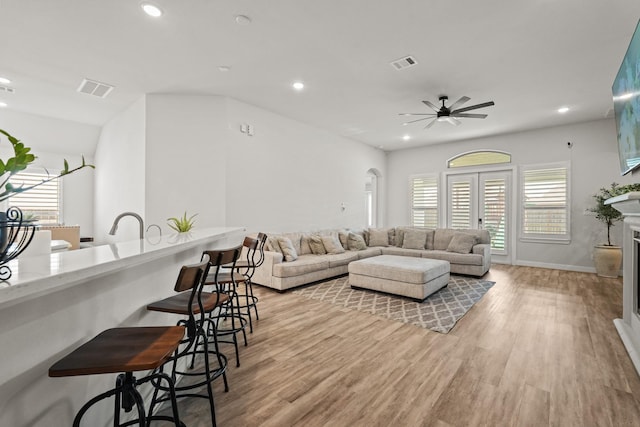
566, 267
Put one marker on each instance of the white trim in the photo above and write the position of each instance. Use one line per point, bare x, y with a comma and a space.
566, 267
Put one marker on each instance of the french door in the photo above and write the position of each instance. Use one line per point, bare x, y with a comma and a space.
482, 200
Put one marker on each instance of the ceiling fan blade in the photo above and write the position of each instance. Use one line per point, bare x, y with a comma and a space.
459, 102
453, 121
433, 107
416, 114
413, 121
473, 107
470, 116
431, 123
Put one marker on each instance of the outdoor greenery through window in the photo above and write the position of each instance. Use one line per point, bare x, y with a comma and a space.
41, 203
424, 201
545, 203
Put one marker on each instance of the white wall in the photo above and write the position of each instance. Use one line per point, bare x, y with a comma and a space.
120, 173
594, 164
186, 159
53, 140
290, 176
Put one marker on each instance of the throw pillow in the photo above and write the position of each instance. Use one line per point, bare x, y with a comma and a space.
378, 237
343, 235
430, 238
288, 250
462, 243
414, 239
273, 245
332, 244
305, 249
356, 242
317, 247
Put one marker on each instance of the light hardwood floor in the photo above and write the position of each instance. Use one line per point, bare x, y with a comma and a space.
538, 349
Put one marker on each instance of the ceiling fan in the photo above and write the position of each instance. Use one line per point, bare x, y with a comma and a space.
449, 114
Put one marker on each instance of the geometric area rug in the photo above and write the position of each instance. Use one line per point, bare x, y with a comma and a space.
439, 312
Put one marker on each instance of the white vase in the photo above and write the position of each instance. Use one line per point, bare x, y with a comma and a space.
608, 260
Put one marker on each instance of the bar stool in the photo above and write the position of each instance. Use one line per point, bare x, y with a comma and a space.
254, 259
220, 281
125, 351
192, 302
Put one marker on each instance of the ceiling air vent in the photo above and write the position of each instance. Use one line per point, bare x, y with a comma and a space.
92, 87
402, 63
7, 89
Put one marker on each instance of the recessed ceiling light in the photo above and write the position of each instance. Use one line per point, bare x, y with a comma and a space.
243, 20
406, 137
3, 104
224, 68
563, 110
151, 9
5, 81
298, 85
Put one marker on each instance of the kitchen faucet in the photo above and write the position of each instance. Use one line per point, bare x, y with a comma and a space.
114, 227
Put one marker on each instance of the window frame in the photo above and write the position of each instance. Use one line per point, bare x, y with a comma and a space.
564, 238
432, 176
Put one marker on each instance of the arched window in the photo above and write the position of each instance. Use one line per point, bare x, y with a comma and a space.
479, 158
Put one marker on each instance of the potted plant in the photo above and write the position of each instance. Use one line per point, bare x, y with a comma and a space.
21, 159
608, 257
181, 225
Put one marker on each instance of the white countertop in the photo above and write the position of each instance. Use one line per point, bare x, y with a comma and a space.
40, 275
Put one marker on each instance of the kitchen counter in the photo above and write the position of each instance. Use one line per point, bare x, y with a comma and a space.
54, 303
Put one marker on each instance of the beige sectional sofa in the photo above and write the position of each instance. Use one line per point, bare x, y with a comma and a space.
468, 251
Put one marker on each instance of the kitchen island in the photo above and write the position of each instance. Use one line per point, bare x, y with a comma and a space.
53, 303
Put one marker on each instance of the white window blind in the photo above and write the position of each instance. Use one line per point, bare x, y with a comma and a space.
424, 201
545, 203
43, 202
460, 204
495, 211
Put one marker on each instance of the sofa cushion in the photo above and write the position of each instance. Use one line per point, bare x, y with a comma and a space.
370, 252
317, 247
356, 242
332, 244
462, 243
401, 232
303, 265
295, 240
454, 258
392, 250
442, 237
272, 244
337, 260
414, 239
343, 236
378, 237
287, 248
305, 249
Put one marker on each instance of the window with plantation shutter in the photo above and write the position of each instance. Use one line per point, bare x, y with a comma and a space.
460, 209
424, 201
545, 203
42, 202
495, 208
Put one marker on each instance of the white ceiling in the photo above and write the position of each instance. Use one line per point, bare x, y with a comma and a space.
530, 57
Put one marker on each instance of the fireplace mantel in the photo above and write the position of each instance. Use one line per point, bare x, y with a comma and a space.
629, 326
628, 204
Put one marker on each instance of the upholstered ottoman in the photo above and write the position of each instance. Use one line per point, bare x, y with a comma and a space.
416, 278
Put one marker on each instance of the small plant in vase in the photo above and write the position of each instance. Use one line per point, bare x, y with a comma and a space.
608, 257
14, 235
181, 225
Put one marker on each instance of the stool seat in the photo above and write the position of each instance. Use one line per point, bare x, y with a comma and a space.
121, 350
179, 304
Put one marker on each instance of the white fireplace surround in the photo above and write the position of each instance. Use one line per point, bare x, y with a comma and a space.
629, 326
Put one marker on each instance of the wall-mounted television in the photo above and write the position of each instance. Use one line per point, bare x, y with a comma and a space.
626, 104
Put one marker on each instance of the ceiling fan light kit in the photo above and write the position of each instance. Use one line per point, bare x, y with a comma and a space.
449, 114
